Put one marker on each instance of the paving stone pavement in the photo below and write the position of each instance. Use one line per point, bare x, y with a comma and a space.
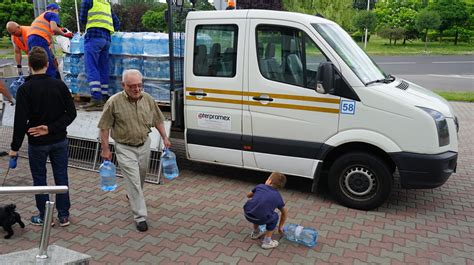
197, 219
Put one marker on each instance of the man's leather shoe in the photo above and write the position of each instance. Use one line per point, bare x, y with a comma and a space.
142, 226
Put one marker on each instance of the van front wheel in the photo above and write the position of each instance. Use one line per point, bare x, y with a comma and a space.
360, 180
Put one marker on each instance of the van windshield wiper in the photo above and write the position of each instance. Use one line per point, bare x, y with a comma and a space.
390, 78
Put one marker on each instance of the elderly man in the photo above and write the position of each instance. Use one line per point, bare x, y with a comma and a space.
129, 115
19, 36
41, 33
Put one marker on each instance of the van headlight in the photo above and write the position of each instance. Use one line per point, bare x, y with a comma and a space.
441, 125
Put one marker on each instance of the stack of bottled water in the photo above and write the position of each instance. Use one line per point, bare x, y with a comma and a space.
303, 235
147, 52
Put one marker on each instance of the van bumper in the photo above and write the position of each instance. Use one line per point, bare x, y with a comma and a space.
422, 171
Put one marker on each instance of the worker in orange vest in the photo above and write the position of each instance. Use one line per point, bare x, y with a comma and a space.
19, 40
41, 33
230, 5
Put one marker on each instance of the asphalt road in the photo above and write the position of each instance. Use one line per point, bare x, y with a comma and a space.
446, 73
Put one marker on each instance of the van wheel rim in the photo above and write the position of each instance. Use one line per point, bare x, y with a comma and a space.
359, 181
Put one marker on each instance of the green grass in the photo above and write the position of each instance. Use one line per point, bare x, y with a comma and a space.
379, 46
457, 96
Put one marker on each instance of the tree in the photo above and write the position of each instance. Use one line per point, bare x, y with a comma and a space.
399, 15
365, 20
20, 11
453, 14
68, 14
427, 20
154, 20
339, 11
362, 4
130, 16
390, 33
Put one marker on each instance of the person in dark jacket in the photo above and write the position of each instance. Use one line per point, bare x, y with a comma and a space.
44, 108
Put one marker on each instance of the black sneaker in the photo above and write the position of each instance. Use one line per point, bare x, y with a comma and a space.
64, 221
142, 226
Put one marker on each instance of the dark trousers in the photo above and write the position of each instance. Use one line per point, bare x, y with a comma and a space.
58, 155
96, 58
35, 40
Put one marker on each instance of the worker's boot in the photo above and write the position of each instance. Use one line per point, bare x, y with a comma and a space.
94, 105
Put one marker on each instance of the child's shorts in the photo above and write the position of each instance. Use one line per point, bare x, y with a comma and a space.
270, 223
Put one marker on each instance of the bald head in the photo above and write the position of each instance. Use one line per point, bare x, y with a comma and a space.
13, 28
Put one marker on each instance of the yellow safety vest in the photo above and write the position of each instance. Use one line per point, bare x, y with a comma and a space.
100, 16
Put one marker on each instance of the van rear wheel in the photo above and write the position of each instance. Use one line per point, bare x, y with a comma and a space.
360, 180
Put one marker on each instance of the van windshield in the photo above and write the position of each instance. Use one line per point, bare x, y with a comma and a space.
350, 52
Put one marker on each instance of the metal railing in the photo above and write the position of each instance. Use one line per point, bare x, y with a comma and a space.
48, 216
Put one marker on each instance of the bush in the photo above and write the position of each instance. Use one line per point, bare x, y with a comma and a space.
359, 36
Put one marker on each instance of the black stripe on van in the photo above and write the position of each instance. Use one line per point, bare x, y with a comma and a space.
274, 146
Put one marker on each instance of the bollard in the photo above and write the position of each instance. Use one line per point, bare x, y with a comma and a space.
44, 240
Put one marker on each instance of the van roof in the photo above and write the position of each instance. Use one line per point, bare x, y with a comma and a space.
256, 13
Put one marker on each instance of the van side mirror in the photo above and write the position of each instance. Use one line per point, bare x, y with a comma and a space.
325, 78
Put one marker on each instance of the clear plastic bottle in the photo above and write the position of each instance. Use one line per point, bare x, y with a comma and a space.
82, 85
75, 47
107, 172
116, 43
15, 85
169, 166
67, 63
306, 236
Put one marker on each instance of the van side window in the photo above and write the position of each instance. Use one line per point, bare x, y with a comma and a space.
215, 50
288, 55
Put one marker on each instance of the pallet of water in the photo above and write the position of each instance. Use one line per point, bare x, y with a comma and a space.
147, 52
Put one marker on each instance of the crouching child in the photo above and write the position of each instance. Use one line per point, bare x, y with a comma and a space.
260, 209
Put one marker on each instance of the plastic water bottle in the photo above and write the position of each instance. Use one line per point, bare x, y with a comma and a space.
67, 63
303, 235
15, 85
170, 168
107, 171
12, 162
116, 43
81, 84
262, 228
76, 44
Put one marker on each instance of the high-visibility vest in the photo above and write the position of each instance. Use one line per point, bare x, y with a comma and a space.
100, 16
41, 27
22, 42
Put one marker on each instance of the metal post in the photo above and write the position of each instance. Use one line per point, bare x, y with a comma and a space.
366, 29
44, 240
77, 17
171, 45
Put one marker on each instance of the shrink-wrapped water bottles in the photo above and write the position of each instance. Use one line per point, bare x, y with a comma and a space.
303, 235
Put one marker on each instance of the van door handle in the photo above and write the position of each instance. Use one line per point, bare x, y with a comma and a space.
198, 94
263, 98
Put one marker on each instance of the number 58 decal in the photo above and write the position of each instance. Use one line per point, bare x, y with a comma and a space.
348, 107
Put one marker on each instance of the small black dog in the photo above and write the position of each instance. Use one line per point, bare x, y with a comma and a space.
8, 217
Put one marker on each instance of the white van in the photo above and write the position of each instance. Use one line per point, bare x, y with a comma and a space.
288, 92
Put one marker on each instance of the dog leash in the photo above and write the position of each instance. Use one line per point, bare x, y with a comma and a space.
11, 164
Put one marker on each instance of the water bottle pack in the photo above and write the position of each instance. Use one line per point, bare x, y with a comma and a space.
129, 50
306, 236
15, 85
108, 178
168, 164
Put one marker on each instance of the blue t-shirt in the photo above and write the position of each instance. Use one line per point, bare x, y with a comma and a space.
264, 202
51, 16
